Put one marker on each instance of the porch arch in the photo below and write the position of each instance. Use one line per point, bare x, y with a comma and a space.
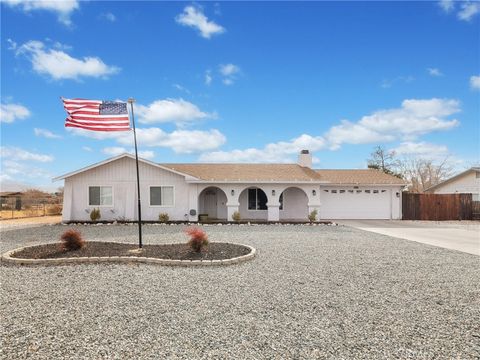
293, 204
253, 204
212, 201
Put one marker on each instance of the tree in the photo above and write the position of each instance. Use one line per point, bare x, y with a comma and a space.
423, 173
385, 161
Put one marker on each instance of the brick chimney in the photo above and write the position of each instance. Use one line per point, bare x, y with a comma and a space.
305, 159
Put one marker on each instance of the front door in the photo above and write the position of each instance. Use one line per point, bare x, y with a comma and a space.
211, 203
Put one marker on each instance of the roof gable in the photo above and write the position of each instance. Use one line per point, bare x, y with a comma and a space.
125, 155
453, 178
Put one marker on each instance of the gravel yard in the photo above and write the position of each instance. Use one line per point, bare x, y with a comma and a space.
311, 292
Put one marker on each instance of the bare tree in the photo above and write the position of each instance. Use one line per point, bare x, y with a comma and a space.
384, 160
423, 173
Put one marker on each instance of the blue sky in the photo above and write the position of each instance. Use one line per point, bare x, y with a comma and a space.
240, 82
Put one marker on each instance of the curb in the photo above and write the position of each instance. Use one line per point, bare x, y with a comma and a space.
7, 258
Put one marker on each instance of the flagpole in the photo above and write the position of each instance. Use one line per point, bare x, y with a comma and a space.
131, 101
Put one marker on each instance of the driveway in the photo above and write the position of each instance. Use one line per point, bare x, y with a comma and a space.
455, 235
313, 292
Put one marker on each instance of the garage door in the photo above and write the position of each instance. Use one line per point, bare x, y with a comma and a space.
349, 203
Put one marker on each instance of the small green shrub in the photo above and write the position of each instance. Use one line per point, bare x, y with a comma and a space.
198, 238
236, 216
313, 216
95, 214
163, 217
72, 240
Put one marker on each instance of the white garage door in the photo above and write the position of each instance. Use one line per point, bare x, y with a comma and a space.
349, 203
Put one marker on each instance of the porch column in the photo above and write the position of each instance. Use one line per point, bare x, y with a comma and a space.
273, 212
231, 208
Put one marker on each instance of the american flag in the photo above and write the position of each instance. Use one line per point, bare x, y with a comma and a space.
96, 115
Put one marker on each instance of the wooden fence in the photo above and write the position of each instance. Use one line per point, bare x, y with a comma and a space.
437, 206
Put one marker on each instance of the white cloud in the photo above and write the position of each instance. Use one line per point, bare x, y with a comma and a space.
280, 152
194, 18
180, 141
208, 77
170, 110
109, 17
59, 65
422, 149
468, 10
46, 133
446, 5
18, 154
12, 112
434, 72
15, 170
229, 73
388, 83
475, 82
63, 8
181, 88
87, 148
118, 150
229, 69
414, 118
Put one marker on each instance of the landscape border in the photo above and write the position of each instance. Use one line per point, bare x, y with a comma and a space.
7, 258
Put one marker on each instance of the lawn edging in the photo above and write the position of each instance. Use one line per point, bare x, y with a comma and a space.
9, 259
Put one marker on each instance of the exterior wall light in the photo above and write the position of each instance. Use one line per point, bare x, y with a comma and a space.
273, 192
398, 194
232, 192
314, 192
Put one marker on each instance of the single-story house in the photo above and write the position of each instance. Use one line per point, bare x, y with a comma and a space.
263, 192
467, 182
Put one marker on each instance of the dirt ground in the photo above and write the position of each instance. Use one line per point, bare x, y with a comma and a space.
27, 222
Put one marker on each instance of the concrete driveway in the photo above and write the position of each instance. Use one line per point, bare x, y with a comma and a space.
456, 235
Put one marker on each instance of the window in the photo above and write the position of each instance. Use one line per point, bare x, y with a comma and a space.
477, 174
342, 191
384, 191
367, 191
359, 191
350, 191
100, 196
257, 200
334, 191
375, 191
280, 200
161, 195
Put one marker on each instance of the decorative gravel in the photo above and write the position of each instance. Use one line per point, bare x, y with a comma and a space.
214, 251
323, 292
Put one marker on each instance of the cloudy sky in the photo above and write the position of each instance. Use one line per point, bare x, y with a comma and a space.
251, 82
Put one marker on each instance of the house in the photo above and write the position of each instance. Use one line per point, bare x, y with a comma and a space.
467, 181
263, 192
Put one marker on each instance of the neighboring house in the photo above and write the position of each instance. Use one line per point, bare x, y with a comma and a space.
465, 182
265, 192
9, 199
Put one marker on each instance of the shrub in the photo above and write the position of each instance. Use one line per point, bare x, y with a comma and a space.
313, 216
163, 217
198, 238
95, 214
236, 216
54, 209
72, 240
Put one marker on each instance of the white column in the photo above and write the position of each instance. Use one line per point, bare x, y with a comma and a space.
193, 202
231, 208
67, 202
273, 212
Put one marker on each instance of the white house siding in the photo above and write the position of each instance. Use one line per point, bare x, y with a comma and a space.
362, 202
468, 183
121, 175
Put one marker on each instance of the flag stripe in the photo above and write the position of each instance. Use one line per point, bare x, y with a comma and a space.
96, 115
